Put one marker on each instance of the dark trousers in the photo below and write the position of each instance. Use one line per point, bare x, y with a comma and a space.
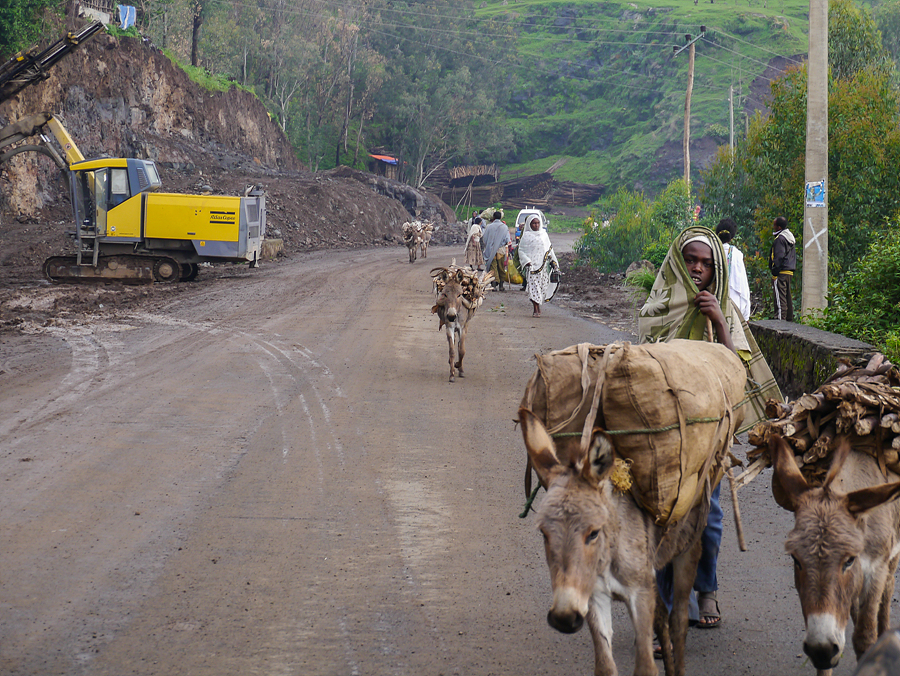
706, 579
784, 305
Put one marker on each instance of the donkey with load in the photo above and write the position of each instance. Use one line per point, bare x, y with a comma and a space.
629, 442
837, 469
458, 293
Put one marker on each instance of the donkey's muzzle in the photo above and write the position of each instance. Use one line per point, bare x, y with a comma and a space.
567, 623
824, 656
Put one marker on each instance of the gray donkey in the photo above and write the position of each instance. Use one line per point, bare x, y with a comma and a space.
600, 546
845, 545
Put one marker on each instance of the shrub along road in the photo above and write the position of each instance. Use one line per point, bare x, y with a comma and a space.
269, 473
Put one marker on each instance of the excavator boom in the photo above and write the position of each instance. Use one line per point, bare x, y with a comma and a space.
30, 66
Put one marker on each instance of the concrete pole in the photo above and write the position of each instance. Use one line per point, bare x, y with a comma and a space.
731, 117
815, 218
687, 115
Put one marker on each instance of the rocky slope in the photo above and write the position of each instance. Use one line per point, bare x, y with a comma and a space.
124, 98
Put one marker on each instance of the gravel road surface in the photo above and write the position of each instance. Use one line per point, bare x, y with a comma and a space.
270, 474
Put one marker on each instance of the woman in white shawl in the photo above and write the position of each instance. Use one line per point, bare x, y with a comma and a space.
537, 259
474, 257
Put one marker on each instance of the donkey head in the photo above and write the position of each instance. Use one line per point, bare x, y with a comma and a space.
826, 545
577, 518
450, 301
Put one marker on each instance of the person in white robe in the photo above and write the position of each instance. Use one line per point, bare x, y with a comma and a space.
538, 260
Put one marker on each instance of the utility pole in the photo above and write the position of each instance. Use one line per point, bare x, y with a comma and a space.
687, 101
815, 210
731, 117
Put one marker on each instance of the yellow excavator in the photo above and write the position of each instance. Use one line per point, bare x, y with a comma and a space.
124, 228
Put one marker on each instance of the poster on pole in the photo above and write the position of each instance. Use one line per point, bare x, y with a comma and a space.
815, 194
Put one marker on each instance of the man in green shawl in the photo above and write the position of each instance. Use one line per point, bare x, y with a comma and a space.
688, 299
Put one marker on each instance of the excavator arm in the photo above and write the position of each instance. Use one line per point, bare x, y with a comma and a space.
30, 66
34, 125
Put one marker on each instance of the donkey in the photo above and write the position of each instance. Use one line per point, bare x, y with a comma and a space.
845, 545
600, 546
412, 241
454, 312
425, 239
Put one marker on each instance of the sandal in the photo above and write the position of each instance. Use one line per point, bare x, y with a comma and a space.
657, 649
710, 617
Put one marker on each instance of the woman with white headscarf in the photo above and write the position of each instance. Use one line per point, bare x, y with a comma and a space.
537, 259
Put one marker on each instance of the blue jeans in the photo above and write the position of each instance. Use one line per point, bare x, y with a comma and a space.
706, 580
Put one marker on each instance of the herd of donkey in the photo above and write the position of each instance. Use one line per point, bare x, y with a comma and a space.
628, 483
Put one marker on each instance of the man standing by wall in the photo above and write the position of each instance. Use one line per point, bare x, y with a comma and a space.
782, 263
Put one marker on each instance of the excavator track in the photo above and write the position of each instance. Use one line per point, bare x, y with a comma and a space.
123, 268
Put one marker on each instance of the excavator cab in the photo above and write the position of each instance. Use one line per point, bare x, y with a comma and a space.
107, 203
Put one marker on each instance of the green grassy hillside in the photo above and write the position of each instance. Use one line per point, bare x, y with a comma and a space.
598, 83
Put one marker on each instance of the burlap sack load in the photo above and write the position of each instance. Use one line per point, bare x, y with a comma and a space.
671, 409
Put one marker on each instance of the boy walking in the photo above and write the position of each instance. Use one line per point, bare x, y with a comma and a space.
782, 264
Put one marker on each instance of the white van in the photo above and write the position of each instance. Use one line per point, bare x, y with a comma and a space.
526, 215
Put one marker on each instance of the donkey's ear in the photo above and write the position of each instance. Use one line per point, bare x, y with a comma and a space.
539, 444
601, 457
786, 470
460, 276
837, 460
861, 501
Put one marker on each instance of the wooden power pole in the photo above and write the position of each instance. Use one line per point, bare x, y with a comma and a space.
815, 210
687, 101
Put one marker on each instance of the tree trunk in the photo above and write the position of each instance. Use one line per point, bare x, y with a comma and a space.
195, 33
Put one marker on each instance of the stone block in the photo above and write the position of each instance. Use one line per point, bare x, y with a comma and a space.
802, 357
271, 248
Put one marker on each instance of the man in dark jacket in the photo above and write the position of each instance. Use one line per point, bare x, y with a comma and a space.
782, 263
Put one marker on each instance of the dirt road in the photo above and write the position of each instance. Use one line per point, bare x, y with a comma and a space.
270, 474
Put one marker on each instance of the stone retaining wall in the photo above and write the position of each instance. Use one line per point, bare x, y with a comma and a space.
801, 357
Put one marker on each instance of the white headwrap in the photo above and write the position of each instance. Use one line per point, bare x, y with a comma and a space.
533, 245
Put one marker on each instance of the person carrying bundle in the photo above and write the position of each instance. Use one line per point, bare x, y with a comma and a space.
495, 248
690, 300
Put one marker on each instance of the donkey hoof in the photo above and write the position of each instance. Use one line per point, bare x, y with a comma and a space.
453, 379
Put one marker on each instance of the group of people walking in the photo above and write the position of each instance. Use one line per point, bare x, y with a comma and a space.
489, 247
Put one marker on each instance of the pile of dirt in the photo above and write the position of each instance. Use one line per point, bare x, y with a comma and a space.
124, 98
601, 297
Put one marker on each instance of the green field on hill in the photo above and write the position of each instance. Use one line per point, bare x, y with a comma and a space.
598, 82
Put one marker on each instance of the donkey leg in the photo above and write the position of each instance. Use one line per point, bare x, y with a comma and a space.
884, 611
663, 635
684, 569
452, 353
462, 351
599, 619
866, 619
641, 607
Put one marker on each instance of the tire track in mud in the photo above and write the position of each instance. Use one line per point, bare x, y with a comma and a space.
94, 353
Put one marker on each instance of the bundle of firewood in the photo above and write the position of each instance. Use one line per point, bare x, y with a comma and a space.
861, 403
473, 282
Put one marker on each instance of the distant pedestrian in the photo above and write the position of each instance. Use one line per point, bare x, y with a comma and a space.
474, 255
495, 248
537, 259
782, 264
738, 285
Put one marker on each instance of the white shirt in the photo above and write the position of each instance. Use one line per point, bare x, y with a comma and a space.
738, 286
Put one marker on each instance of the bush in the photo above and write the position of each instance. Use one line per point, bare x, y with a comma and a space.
626, 228
865, 303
